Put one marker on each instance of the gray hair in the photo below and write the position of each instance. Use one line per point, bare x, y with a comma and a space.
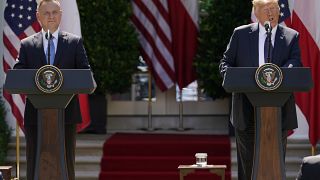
42, 1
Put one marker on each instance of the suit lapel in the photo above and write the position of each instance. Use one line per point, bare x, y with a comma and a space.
254, 44
61, 45
278, 43
37, 40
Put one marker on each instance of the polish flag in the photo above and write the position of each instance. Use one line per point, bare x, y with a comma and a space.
306, 20
70, 22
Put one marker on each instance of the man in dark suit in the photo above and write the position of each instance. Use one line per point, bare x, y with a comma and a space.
310, 168
69, 53
246, 49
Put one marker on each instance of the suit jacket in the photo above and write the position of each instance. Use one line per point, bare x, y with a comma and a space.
70, 54
243, 51
310, 168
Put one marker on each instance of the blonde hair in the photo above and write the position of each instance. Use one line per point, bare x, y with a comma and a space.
259, 3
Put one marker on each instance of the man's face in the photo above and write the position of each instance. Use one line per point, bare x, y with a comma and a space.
268, 12
49, 16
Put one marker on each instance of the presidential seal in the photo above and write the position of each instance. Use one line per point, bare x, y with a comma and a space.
268, 77
48, 79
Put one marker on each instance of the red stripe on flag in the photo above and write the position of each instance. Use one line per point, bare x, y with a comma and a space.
156, 77
182, 43
36, 26
12, 50
184, 33
288, 22
156, 25
150, 40
22, 36
23, 97
14, 109
162, 10
5, 65
309, 102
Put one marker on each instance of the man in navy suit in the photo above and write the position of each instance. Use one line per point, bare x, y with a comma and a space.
246, 49
69, 53
310, 168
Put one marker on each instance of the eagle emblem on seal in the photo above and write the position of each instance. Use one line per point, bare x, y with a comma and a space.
268, 77
48, 79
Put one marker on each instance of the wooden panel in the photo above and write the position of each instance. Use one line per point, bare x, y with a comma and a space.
269, 162
6, 171
51, 155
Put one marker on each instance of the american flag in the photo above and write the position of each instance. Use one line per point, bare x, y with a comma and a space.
306, 20
285, 15
19, 22
168, 36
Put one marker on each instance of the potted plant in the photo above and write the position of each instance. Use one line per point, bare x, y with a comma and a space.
112, 47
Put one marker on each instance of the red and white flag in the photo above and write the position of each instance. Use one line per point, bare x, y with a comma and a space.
168, 33
306, 20
70, 22
304, 17
20, 22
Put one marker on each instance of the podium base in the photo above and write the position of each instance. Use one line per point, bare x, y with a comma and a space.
181, 129
150, 129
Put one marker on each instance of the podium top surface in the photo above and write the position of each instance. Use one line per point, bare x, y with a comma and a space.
194, 166
242, 80
75, 81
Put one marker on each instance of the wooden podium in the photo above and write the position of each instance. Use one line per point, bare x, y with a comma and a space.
50, 158
268, 160
219, 170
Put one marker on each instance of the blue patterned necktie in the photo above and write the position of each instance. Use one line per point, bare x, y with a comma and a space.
52, 51
266, 46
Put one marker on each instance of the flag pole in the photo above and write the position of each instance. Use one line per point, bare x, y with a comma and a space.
17, 150
180, 112
150, 126
313, 150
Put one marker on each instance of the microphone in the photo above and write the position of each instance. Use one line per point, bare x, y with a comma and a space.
267, 26
48, 37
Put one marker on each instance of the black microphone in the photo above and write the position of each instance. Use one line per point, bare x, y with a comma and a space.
267, 26
48, 37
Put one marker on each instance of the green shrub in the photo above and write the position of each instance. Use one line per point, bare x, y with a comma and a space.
5, 134
217, 21
111, 43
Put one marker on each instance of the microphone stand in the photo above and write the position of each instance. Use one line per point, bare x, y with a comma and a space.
269, 45
48, 36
